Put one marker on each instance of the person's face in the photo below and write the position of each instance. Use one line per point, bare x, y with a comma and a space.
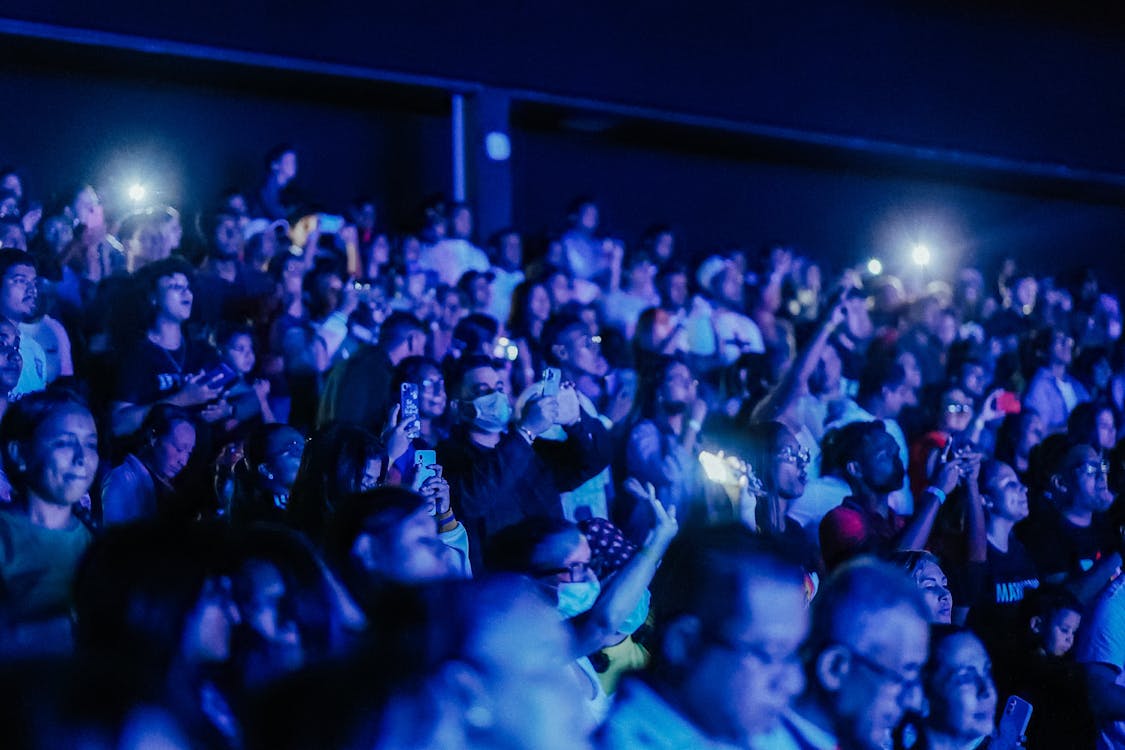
560, 290
882, 678
1107, 430
431, 394
206, 637
11, 363
913, 372
743, 681
956, 411
664, 246
584, 352
588, 217
511, 250
677, 287
174, 297
228, 238
150, 246
641, 275
283, 455
381, 250
539, 303
411, 250
481, 381
789, 465
1060, 632
19, 293
934, 585
417, 555
240, 354
1032, 435
974, 379
462, 223
451, 311
286, 167
1062, 349
12, 183
730, 285
172, 231
523, 653
1088, 483
896, 396
236, 204
170, 453
330, 287
88, 209
1025, 293
1007, 496
63, 457
881, 464
482, 293
679, 388
291, 277
962, 694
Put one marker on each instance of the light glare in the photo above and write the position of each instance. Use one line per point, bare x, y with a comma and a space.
137, 192
874, 266
921, 255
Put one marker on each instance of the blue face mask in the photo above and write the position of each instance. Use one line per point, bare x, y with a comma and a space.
578, 597
492, 412
638, 616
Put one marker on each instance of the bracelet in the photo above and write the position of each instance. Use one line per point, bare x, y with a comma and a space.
937, 492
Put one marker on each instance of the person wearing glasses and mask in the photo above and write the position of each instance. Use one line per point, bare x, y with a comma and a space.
868, 642
730, 615
498, 470
1069, 536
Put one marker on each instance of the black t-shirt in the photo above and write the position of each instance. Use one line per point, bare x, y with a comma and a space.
1058, 546
1004, 582
148, 373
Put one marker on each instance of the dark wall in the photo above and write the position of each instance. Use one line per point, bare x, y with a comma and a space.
1033, 81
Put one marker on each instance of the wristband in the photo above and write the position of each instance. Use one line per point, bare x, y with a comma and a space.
937, 492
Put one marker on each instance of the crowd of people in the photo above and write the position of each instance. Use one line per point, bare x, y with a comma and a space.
284, 478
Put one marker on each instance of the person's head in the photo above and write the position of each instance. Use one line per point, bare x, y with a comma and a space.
426, 374
236, 345
1019, 434
88, 211
388, 534
583, 213
674, 288
50, 447
884, 388
18, 291
227, 241
668, 387
144, 240
570, 346
460, 221
451, 303
157, 597
870, 458
867, 644
169, 435
640, 269
1024, 291
1080, 480
273, 454
1092, 422
1054, 615
11, 362
956, 411
661, 242
507, 248
825, 379
167, 284
779, 462
482, 401
925, 570
959, 686
476, 334
477, 287
1002, 493
1055, 347
658, 332
402, 335
559, 284
730, 614
531, 306
282, 163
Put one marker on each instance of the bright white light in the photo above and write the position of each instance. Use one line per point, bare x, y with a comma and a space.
874, 266
921, 254
498, 146
137, 192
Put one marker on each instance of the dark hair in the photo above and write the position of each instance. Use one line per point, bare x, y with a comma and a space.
879, 373
250, 500
410, 370
554, 329
397, 328
758, 444
162, 419
852, 439
11, 257
1082, 424
474, 331
378, 512
455, 370
332, 469
514, 549
519, 319
22, 421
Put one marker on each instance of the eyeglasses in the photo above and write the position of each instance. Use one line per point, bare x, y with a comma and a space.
575, 571
179, 288
293, 449
799, 457
1093, 468
958, 408
432, 385
755, 651
887, 675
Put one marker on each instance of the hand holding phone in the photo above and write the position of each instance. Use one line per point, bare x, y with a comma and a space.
424, 467
1013, 724
552, 378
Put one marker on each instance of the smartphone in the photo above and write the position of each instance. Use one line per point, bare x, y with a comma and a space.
329, 223
552, 377
1008, 402
408, 407
946, 451
424, 461
1013, 724
220, 376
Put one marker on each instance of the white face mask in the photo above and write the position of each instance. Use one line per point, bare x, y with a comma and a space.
492, 412
578, 597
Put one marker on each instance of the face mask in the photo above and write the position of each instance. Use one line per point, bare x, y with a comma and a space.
579, 597
638, 616
492, 412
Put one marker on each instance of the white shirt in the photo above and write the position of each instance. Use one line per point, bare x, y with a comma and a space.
451, 258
